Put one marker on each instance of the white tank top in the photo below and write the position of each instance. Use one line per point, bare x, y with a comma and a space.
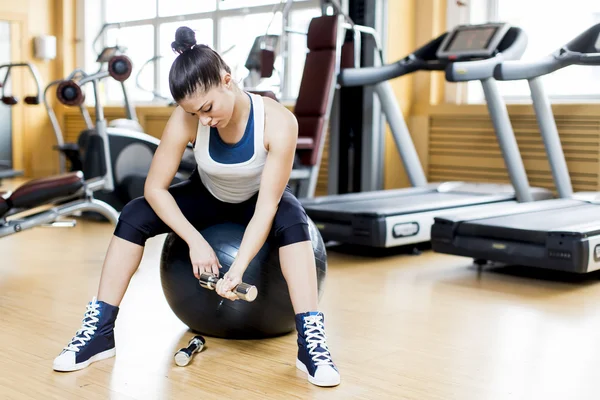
232, 172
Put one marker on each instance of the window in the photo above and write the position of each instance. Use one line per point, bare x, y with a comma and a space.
139, 44
236, 47
125, 11
146, 29
167, 8
549, 25
229, 4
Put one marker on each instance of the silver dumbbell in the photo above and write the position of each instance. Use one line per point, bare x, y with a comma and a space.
184, 355
243, 291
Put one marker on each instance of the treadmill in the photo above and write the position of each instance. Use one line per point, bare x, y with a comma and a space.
559, 234
389, 218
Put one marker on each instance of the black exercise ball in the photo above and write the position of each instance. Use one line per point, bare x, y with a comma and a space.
205, 312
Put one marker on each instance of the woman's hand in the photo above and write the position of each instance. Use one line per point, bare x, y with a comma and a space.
230, 280
203, 258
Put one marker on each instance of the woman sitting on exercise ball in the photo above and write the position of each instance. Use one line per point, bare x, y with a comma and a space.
244, 146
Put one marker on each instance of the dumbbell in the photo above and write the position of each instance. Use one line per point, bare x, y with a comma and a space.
184, 355
243, 291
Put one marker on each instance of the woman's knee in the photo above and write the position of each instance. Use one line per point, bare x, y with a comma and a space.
291, 222
137, 222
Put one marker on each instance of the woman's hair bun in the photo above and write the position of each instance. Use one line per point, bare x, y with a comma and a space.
185, 39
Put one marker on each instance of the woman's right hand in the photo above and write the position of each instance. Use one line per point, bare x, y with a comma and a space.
203, 258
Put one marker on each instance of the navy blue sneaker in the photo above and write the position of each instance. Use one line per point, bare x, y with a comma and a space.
313, 355
94, 341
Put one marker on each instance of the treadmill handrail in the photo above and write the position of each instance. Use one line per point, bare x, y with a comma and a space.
582, 50
589, 59
373, 75
421, 59
472, 70
517, 70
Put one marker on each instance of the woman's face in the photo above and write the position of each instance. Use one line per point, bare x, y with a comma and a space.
213, 108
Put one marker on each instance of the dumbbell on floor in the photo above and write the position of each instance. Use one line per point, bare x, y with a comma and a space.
184, 355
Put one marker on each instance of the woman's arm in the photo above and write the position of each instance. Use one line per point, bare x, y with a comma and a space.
179, 131
282, 136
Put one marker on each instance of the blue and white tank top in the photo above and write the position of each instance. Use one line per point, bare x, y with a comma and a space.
232, 172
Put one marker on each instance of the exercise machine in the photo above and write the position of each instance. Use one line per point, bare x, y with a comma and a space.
260, 62
129, 153
356, 151
6, 170
560, 234
131, 120
317, 101
71, 151
45, 201
389, 218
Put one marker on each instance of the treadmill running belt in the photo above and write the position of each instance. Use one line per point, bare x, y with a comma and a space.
532, 227
401, 205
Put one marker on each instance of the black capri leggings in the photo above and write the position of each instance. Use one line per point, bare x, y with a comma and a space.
138, 221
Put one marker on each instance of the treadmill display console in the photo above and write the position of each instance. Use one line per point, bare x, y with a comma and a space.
472, 41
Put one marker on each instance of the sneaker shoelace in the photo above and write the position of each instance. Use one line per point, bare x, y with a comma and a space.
315, 339
88, 328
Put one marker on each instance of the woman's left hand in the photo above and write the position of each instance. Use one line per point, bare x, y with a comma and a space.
230, 280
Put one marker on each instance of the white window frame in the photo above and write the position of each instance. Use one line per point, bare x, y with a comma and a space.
87, 30
457, 93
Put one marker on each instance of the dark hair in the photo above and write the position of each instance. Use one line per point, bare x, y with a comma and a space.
196, 67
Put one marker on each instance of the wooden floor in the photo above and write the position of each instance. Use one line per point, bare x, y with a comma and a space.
400, 327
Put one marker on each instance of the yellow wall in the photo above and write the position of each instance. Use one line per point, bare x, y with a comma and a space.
412, 24
463, 144
33, 136
400, 41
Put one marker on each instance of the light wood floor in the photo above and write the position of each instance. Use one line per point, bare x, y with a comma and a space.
401, 327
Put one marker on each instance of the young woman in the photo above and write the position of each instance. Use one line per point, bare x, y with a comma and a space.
244, 146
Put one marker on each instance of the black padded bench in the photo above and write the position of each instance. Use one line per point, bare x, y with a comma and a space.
39, 192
